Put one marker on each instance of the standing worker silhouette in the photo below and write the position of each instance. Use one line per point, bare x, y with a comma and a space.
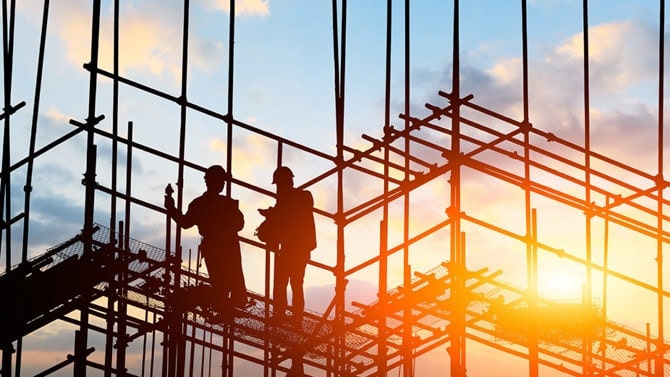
218, 218
293, 218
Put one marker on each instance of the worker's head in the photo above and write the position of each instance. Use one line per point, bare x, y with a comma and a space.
215, 178
283, 177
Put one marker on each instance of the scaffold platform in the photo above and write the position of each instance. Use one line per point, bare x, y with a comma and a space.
142, 276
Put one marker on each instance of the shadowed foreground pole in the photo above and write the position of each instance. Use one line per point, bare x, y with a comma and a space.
588, 291
228, 338
457, 326
531, 223
8, 33
660, 364
382, 350
81, 336
407, 338
339, 45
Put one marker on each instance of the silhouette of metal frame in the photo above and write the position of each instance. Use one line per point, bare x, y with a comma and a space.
447, 305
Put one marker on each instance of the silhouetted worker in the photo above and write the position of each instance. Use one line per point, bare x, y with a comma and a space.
296, 238
218, 218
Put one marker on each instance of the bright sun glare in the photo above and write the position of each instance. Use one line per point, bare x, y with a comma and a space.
556, 285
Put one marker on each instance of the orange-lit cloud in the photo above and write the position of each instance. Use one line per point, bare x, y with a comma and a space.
246, 154
149, 38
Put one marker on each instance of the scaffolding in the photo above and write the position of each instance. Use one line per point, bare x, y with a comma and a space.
151, 310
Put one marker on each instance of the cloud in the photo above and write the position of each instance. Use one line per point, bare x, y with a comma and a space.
319, 297
619, 59
251, 8
623, 126
619, 55
622, 82
150, 34
148, 30
252, 156
610, 127
56, 208
54, 115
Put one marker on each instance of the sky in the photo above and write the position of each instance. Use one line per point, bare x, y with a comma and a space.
284, 85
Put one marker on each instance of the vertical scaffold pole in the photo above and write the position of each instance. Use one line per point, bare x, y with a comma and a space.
531, 236
113, 287
384, 225
177, 346
27, 189
81, 336
660, 185
587, 341
228, 331
5, 185
124, 246
456, 327
339, 44
407, 274
7, 35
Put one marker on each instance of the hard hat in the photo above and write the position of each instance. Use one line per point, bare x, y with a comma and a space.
216, 172
282, 172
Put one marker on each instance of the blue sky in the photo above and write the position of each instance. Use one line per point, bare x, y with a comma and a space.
283, 84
